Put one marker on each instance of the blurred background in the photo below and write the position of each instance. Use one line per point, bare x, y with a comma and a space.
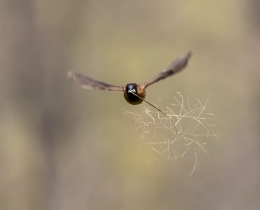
62, 147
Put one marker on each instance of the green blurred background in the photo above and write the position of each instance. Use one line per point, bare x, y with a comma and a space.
62, 147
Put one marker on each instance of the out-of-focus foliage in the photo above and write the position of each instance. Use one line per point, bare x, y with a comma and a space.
62, 147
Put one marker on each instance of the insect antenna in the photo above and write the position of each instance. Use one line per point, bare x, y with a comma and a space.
156, 109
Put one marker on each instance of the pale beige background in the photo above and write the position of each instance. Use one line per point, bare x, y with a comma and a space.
65, 148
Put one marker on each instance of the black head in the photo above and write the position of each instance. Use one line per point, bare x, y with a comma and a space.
131, 98
131, 87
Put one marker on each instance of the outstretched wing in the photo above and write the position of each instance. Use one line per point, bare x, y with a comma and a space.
173, 68
89, 83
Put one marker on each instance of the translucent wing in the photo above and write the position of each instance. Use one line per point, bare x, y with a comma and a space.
173, 68
89, 83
